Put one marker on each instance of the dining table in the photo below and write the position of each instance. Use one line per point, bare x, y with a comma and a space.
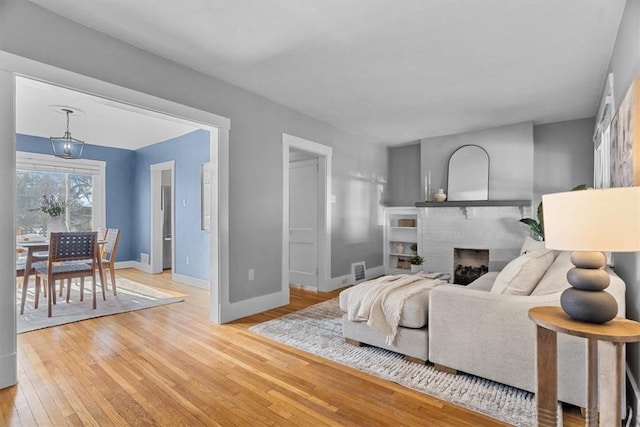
33, 247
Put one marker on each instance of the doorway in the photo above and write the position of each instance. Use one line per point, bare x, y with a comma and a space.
162, 216
12, 66
306, 238
304, 201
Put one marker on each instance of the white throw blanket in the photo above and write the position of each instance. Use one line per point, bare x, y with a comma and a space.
379, 302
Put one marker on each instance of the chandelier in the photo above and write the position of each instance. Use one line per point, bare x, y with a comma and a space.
66, 146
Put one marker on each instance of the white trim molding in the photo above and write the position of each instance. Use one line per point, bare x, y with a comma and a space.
347, 279
139, 266
8, 341
191, 281
324, 232
244, 308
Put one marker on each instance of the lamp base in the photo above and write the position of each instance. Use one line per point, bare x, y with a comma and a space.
589, 306
586, 300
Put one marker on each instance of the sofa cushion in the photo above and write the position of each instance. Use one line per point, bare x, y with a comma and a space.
530, 245
555, 279
521, 275
484, 282
415, 312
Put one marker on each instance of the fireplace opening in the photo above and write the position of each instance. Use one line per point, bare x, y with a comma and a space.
469, 264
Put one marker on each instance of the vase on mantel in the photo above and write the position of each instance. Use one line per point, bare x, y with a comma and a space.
55, 224
440, 195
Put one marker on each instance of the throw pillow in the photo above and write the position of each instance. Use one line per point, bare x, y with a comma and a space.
521, 275
555, 279
532, 245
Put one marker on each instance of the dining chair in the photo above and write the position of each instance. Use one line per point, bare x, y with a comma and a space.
21, 265
64, 248
109, 250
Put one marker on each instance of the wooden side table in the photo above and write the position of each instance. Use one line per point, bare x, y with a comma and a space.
604, 380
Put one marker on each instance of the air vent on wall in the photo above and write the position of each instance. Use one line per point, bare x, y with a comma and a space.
358, 272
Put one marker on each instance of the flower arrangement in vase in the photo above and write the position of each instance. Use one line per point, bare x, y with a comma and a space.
51, 205
55, 208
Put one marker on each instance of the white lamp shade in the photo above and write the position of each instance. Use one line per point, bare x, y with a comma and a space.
593, 220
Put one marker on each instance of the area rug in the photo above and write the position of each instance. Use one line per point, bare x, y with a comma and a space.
131, 296
318, 330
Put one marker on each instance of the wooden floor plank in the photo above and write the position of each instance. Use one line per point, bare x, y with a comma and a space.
170, 365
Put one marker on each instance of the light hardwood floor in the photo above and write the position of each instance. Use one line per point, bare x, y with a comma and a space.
170, 366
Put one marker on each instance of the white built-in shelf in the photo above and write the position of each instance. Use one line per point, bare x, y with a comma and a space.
473, 203
403, 228
397, 254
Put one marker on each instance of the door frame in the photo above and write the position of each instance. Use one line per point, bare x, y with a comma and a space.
324, 154
12, 65
156, 221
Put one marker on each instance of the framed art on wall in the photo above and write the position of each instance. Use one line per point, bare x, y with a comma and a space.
625, 140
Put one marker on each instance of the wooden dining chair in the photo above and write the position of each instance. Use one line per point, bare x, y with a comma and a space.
64, 249
109, 250
20, 270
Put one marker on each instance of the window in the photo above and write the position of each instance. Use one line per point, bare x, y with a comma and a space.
79, 183
602, 138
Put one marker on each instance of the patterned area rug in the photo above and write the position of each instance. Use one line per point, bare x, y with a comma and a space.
318, 330
131, 296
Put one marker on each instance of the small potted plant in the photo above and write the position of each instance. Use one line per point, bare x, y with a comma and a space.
416, 262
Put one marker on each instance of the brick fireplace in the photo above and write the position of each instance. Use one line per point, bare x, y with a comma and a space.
494, 229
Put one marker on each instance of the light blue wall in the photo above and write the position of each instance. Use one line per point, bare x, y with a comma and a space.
189, 152
119, 175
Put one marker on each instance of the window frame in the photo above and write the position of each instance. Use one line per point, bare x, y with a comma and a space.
602, 137
31, 161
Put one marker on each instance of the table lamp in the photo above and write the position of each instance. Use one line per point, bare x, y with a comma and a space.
588, 222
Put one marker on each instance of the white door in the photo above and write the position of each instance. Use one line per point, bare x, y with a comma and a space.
303, 223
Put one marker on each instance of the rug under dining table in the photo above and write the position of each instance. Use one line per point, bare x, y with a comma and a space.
130, 296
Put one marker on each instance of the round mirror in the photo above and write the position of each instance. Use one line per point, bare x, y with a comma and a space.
469, 174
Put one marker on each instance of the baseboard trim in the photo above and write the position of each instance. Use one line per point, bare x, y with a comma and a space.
636, 394
191, 281
347, 279
126, 264
139, 266
8, 370
237, 310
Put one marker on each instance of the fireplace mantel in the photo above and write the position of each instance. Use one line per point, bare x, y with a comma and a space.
474, 203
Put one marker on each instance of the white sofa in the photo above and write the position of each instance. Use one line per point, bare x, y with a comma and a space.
488, 334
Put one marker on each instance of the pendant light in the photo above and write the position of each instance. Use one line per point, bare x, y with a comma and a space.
66, 146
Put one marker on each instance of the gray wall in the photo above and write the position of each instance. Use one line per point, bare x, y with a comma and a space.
404, 186
257, 125
625, 65
562, 156
510, 150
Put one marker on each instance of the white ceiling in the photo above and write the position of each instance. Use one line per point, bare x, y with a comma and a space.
394, 71
100, 122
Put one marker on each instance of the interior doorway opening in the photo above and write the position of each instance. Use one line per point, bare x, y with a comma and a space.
162, 217
306, 239
304, 218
